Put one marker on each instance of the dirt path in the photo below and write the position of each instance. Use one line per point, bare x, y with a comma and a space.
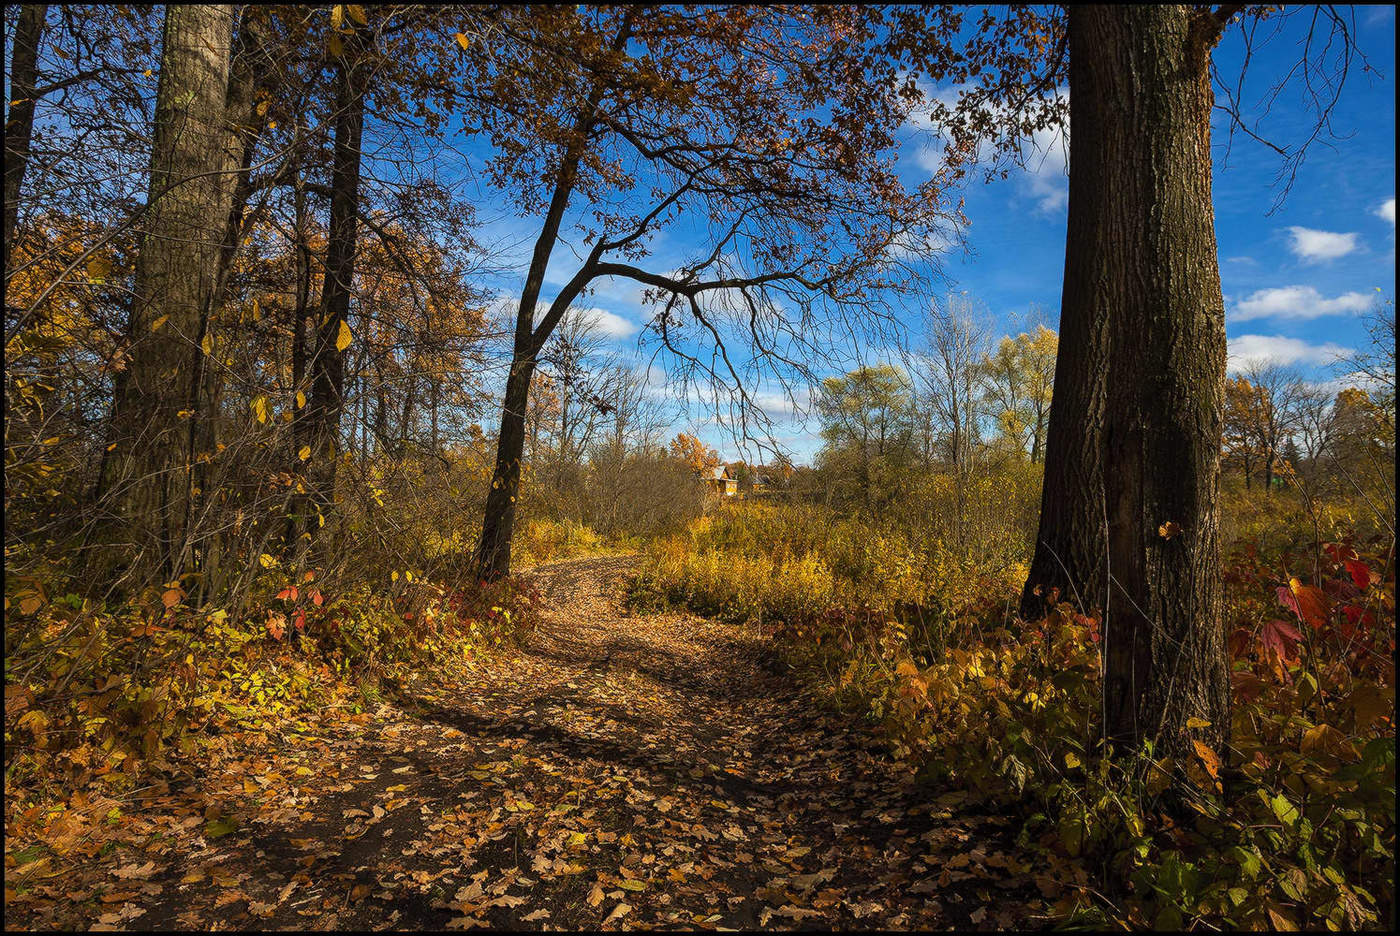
617, 772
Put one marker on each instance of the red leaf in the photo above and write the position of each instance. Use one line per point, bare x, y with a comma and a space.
300, 621
1338, 551
316, 598
290, 593
1360, 574
1280, 638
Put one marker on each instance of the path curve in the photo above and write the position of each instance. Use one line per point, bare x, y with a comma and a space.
617, 771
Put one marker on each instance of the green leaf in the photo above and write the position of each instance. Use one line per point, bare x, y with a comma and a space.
1286, 812
1247, 860
219, 827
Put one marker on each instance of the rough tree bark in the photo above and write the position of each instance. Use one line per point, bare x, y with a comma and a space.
148, 480
19, 119
1142, 103
1070, 545
321, 425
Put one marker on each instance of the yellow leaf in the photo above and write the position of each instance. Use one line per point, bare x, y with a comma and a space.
345, 336
1071, 761
337, 16
1169, 530
207, 344
357, 13
305, 452
262, 108
1325, 739
155, 326
257, 311
462, 40
301, 399
1194, 722
259, 407
905, 668
267, 561
335, 46
98, 269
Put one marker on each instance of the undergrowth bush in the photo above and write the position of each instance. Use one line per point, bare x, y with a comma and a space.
1293, 826
100, 696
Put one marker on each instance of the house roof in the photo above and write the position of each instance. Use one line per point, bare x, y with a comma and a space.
717, 473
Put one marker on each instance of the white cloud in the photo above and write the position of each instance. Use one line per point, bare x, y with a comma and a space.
1312, 246
1044, 175
1047, 170
1297, 302
1352, 379
907, 244
607, 323
775, 404
1386, 210
1278, 349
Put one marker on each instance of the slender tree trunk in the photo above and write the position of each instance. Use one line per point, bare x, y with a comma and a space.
1070, 545
327, 397
1142, 84
19, 120
493, 556
194, 166
298, 506
436, 393
498, 524
410, 397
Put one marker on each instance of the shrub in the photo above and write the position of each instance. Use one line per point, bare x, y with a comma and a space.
1294, 826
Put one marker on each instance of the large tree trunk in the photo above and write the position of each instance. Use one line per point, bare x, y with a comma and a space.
1070, 545
1141, 129
194, 166
19, 120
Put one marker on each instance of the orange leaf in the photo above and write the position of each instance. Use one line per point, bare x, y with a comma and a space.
1309, 602
1208, 757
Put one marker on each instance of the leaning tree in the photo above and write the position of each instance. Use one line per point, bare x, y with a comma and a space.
765, 136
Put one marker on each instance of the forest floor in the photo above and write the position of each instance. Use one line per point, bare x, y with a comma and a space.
616, 771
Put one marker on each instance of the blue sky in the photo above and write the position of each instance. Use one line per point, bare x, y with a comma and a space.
1296, 281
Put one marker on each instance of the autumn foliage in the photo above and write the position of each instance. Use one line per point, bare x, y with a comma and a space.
1293, 825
